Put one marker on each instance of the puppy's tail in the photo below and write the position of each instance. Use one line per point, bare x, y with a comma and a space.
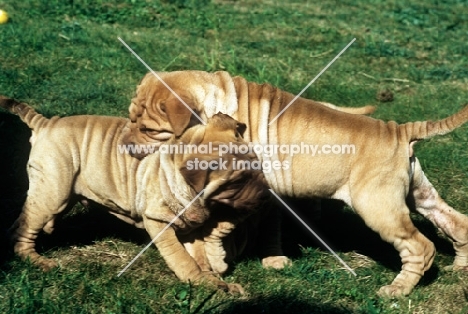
426, 129
29, 116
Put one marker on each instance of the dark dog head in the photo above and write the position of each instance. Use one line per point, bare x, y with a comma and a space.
221, 167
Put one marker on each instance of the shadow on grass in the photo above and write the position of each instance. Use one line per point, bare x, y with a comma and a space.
83, 227
14, 152
277, 304
337, 226
274, 303
344, 231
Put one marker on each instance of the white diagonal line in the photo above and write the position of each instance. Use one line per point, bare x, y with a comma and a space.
315, 234
159, 234
311, 82
160, 79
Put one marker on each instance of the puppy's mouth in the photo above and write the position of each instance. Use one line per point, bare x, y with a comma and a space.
158, 135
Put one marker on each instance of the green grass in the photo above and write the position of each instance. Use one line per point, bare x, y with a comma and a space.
64, 58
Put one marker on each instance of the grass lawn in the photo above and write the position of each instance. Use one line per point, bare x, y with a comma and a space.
64, 58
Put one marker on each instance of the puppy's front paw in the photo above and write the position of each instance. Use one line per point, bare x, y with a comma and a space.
211, 279
461, 261
276, 262
393, 291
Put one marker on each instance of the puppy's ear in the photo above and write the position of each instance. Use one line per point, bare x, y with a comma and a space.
224, 122
196, 178
241, 127
178, 115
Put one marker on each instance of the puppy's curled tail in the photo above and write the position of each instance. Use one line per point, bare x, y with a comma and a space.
426, 129
29, 116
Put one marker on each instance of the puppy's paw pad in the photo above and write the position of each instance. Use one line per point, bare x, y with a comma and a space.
276, 262
392, 291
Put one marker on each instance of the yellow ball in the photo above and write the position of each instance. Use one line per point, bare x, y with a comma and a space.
3, 17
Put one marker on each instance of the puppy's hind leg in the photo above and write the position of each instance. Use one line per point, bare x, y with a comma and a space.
386, 213
46, 199
25, 231
451, 222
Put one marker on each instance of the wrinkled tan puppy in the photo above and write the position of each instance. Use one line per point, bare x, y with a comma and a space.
367, 163
156, 113
79, 156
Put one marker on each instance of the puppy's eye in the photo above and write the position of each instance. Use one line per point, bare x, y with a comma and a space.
162, 106
151, 132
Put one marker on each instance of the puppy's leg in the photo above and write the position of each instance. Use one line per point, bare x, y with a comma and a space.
47, 197
270, 239
179, 260
452, 223
215, 251
195, 246
24, 233
385, 212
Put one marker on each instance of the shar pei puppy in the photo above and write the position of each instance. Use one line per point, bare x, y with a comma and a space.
367, 163
78, 157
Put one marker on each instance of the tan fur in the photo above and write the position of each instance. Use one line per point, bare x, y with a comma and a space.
375, 180
156, 116
78, 155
